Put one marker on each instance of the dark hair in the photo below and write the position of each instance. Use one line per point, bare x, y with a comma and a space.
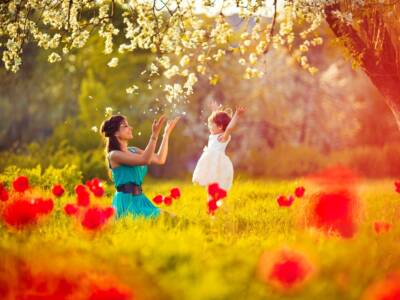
108, 129
220, 118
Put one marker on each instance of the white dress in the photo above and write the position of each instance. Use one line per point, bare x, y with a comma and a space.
214, 166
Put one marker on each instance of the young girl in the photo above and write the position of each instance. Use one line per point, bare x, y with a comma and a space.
214, 166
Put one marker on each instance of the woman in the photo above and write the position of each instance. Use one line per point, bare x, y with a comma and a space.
129, 164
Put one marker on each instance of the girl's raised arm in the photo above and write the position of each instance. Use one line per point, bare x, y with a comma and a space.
232, 124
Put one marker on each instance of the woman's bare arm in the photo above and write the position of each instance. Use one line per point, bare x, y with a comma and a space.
143, 158
161, 156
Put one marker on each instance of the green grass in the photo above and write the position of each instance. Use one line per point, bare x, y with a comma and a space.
193, 256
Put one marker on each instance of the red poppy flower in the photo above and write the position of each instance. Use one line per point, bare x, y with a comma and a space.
21, 184
212, 206
108, 212
98, 191
213, 188
220, 194
93, 218
175, 193
43, 206
83, 196
58, 190
83, 199
299, 191
334, 211
158, 199
95, 187
168, 201
50, 284
20, 213
41, 285
3, 193
80, 188
284, 201
285, 269
216, 192
386, 289
397, 185
382, 226
70, 209
94, 182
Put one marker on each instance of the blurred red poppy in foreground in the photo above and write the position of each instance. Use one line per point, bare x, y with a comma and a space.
397, 185
285, 269
112, 293
284, 201
57, 285
3, 193
91, 218
334, 212
386, 289
336, 208
381, 226
21, 184
22, 212
95, 217
43, 206
58, 190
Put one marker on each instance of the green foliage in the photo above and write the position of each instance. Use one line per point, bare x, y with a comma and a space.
281, 162
69, 176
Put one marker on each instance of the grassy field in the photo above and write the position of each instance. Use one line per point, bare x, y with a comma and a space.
194, 256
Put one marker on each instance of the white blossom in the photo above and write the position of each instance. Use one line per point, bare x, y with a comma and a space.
113, 62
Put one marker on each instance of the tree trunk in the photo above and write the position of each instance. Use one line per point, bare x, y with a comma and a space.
382, 67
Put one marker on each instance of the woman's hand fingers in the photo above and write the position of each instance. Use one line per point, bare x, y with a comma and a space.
171, 124
161, 120
157, 124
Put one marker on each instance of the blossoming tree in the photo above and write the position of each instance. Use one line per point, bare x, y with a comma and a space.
187, 36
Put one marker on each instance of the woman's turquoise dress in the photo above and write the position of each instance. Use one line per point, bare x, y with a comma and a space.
123, 203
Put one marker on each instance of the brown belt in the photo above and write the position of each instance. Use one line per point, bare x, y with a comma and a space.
130, 188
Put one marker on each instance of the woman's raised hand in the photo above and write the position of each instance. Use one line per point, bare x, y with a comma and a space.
171, 125
157, 125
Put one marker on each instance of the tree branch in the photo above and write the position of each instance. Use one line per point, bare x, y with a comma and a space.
351, 38
271, 32
69, 13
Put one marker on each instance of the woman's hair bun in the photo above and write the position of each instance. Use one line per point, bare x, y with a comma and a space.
110, 126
